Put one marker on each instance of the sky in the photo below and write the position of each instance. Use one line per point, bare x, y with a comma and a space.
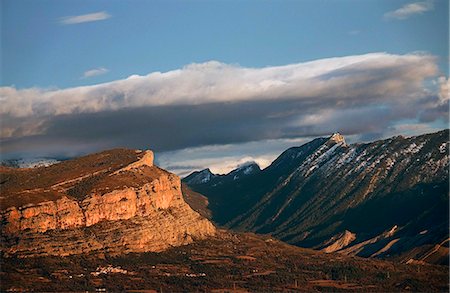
217, 83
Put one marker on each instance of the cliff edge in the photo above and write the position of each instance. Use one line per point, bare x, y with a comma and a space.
111, 202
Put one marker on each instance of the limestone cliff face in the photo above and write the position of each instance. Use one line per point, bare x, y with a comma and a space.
111, 202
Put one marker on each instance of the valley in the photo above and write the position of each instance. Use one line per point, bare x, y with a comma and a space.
226, 262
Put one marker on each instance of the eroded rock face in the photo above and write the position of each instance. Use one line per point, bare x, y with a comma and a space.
133, 208
339, 241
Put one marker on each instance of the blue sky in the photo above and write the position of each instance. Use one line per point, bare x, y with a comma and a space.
217, 83
145, 36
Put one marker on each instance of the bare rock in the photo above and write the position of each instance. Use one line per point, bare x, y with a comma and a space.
115, 201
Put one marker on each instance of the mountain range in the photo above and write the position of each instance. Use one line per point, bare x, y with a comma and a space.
113, 221
387, 198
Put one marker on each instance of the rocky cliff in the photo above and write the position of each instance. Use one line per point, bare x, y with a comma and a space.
112, 202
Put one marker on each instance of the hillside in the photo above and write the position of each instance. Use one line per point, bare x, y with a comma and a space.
388, 198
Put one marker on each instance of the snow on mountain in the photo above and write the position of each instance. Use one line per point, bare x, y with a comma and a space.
199, 177
29, 163
246, 168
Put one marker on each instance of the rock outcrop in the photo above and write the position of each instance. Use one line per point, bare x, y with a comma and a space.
115, 202
339, 241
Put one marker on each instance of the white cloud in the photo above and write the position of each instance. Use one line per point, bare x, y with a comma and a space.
410, 9
84, 18
444, 87
367, 78
95, 72
222, 159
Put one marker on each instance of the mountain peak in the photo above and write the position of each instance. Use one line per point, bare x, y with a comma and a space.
207, 171
247, 164
337, 138
247, 168
146, 159
199, 177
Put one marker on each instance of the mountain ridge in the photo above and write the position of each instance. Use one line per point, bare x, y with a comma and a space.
311, 193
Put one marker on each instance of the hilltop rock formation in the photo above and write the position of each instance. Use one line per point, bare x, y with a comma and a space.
112, 202
388, 198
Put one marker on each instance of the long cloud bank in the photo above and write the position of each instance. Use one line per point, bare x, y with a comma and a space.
216, 103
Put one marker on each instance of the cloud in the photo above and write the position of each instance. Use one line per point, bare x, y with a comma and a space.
375, 76
217, 165
410, 9
444, 88
84, 18
221, 159
213, 103
95, 72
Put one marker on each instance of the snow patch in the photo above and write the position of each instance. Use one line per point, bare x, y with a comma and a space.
206, 178
443, 148
248, 170
413, 148
29, 163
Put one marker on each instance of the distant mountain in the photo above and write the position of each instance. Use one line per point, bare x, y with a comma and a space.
29, 163
205, 176
388, 198
199, 177
225, 191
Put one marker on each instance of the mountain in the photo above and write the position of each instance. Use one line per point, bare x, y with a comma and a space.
199, 177
113, 221
29, 163
206, 176
224, 191
114, 202
388, 198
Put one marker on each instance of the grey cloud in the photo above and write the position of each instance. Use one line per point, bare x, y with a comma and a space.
210, 82
166, 128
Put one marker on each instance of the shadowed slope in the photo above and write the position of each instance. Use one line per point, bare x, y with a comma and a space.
316, 192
